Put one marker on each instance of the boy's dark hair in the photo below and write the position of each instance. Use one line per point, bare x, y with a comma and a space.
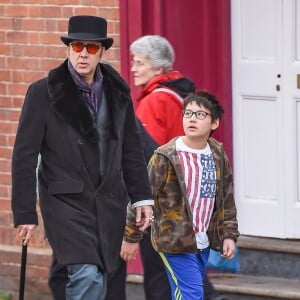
207, 100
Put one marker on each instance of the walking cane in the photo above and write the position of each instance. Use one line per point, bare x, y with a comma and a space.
23, 272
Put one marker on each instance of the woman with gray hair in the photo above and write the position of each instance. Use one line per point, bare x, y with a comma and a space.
156, 49
159, 107
160, 103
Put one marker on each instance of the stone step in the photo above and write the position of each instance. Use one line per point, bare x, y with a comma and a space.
269, 244
241, 286
269, 257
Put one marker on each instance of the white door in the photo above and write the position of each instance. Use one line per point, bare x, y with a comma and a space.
266, 116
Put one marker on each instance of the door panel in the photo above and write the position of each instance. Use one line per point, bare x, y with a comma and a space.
265, 52
292, 115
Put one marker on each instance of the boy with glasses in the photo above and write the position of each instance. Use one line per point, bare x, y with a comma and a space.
192, 186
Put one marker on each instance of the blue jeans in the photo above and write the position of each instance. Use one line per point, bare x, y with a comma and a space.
186, 273
86, 282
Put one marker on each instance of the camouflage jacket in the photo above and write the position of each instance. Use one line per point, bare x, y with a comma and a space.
172, 229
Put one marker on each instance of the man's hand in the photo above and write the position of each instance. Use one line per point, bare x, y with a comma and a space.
25, 232
128, 251
144, 216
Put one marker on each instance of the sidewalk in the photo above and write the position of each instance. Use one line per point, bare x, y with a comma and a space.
134, 291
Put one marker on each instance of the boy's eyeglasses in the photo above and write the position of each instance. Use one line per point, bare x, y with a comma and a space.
90, 47
200, 114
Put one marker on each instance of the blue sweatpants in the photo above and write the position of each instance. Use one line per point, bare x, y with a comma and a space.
185, 273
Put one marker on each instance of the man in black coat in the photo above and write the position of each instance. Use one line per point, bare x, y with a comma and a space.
80, 120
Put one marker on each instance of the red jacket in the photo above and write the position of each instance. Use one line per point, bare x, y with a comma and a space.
160, 111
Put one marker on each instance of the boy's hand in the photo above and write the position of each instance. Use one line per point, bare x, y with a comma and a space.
228, 249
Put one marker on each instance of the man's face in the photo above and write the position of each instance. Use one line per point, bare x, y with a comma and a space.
84, 57
142, 70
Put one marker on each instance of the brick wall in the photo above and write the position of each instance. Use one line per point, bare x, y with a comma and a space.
30, 46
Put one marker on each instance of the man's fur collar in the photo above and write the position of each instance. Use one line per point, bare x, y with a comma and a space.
68, 103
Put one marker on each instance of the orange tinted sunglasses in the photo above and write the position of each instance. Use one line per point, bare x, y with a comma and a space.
90, 47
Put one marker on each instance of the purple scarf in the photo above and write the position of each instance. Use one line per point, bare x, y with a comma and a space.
92, 92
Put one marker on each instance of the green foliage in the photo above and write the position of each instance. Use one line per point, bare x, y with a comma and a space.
5, 296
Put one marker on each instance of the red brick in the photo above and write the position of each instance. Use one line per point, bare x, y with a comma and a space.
85, 10
58, 52
7, 114
34, 37
3, 88
4, 191
16, 37
5, 178
18, 101
5, 164
32, 24
6, 218
5, 24
34, 11
16, 11
6, 101
17, 23
50, 11
7, 127
46, 38
5, 204
5, 75
11, 140
112, 3
17, 89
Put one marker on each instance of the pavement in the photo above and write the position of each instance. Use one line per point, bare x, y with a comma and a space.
134, 291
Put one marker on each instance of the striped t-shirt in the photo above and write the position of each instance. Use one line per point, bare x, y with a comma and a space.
199, 172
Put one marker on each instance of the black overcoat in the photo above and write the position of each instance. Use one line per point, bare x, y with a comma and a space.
84, 213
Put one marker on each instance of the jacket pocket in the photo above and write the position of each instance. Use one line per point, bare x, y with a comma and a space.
66, 186
214, 233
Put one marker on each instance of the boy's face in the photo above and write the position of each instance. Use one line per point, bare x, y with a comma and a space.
195, 128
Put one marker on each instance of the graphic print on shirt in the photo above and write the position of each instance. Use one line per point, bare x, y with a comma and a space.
200, 178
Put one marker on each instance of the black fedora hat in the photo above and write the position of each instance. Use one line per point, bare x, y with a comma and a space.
87, 28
